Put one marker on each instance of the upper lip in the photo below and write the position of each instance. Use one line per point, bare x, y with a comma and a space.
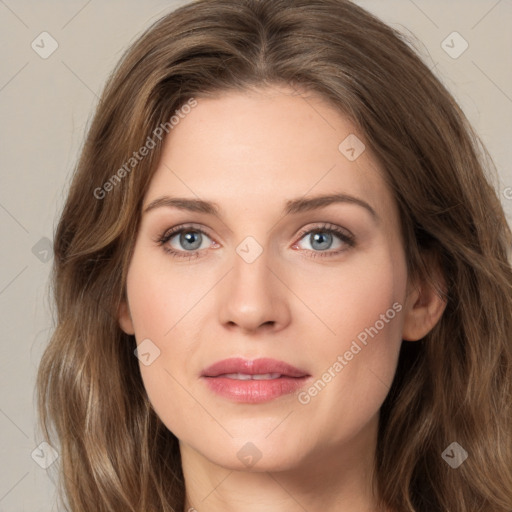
252, 367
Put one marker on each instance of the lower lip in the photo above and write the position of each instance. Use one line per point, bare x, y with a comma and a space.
254, 391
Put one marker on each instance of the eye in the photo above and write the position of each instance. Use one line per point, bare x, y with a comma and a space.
326, 240
185, 241
189, 241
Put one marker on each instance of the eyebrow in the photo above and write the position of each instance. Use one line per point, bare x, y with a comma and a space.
293, 206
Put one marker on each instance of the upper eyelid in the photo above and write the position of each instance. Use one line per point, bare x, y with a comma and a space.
179, 228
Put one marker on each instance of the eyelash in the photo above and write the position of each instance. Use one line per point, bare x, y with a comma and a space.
347, 239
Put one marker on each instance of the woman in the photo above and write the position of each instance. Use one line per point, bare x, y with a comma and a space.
282, 278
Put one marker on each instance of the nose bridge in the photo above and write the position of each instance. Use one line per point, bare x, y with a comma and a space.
253, 296
251, 272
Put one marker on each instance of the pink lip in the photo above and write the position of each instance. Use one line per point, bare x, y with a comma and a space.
253, 391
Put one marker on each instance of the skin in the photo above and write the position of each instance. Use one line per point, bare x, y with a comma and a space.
250, 152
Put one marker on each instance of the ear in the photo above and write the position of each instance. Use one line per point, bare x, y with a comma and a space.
124, 318
424, 306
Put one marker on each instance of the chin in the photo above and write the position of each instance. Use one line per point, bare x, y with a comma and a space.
259, 455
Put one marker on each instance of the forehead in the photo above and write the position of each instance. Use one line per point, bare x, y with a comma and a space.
259, 148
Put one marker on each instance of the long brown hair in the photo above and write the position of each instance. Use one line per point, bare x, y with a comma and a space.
455, 385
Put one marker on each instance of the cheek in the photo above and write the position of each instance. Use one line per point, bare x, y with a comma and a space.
356, 364
165, 309
352, 297
370, 321
159, 298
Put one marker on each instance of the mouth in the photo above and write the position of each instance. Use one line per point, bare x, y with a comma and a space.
253, 381
246, 376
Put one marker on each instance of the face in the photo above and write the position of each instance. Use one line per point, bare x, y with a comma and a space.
269, 320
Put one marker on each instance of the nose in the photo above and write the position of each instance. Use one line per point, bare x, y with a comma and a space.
253, 296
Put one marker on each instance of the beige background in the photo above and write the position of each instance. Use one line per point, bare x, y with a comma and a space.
46, 105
